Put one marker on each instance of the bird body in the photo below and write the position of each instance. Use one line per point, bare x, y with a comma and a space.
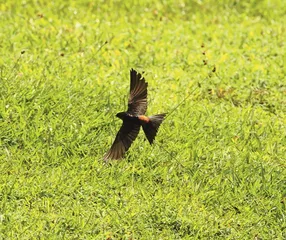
134, 118
142, 119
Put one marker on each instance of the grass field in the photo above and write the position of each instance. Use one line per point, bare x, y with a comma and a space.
217, 169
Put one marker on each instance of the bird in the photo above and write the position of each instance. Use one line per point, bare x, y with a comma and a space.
134, 118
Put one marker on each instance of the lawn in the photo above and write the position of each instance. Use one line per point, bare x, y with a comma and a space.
217, 168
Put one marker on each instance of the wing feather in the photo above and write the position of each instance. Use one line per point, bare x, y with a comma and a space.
124, 138
137, 102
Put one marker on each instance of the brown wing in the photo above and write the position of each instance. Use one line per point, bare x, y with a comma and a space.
137, 102
124, 138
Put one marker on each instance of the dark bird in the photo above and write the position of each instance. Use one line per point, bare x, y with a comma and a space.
134, 118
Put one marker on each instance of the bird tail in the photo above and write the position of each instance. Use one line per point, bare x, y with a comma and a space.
151, 127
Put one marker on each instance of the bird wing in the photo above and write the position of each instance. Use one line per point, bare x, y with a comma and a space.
124, 138
137, 102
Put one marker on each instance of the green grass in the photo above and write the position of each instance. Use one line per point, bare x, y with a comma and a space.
217, 169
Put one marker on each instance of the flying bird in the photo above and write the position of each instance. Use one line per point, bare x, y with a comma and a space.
134, 118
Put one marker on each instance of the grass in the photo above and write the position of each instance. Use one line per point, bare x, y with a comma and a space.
217, 169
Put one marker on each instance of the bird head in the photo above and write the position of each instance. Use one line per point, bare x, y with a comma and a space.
121, 115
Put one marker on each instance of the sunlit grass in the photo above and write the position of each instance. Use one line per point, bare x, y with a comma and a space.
217, 168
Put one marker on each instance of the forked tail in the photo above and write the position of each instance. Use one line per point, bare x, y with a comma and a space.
150, 128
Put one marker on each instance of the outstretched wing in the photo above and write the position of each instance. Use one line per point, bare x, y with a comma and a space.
124, 138
137, 102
